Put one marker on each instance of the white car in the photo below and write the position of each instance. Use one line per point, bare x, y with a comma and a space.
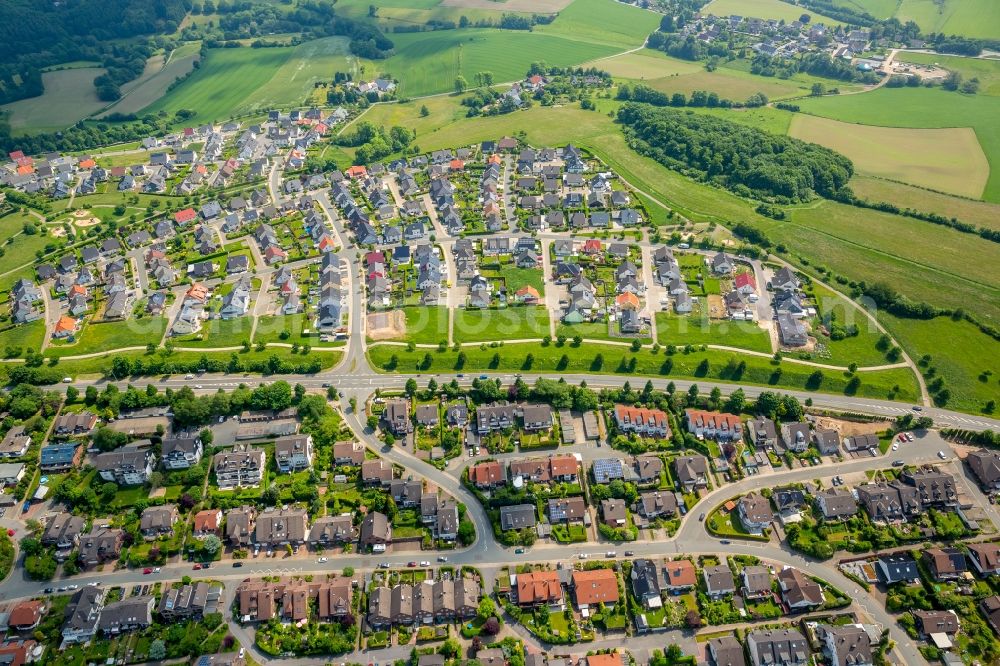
425, 563
895, 447
582, 556
67, 380
942, 455
321, 560
188, 376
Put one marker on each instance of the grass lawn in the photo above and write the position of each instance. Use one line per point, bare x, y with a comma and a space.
618, 360
23, 336
858, 349
19, 248
922, 108
677, 330
569, 533
426, 324
108, 336
99, 365
269, 329
218, 333
945, 159
960, 354
515, 323
515, 278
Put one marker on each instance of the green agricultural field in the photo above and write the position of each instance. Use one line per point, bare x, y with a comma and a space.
922, 108
225, 83
948, 160
108, 336
880, 9
218, 333
515, 323
152, 85
765, 118
647, 64
972, 18
427, 63
603, 22
69, 96
979, 213
987, 71
677, 330
308, 63
617, 360
23, 336
960, 354
765, 9
728, 83
933, 263
426, 325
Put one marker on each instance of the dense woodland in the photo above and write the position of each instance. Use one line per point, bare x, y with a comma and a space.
34, 35
746, 160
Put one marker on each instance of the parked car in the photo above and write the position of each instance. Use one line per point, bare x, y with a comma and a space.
898, 463
147, 571
411, 564
629, 553
519, 551
197, 567
942, 455
442, 558
237, 565
425, 563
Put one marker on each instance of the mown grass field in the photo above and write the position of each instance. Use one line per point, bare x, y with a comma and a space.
520, 323
677, 330
979, 213
224, 83
617, 359
765, 9
929, 262
922, 108
99, 365
307, 63
270, 329
428, 63
69, 96
426, 325
947, 159
18, 247
860, 349
108, 336
960, 354
26, 336
603, 22
218, 333
149, 88
972, 18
